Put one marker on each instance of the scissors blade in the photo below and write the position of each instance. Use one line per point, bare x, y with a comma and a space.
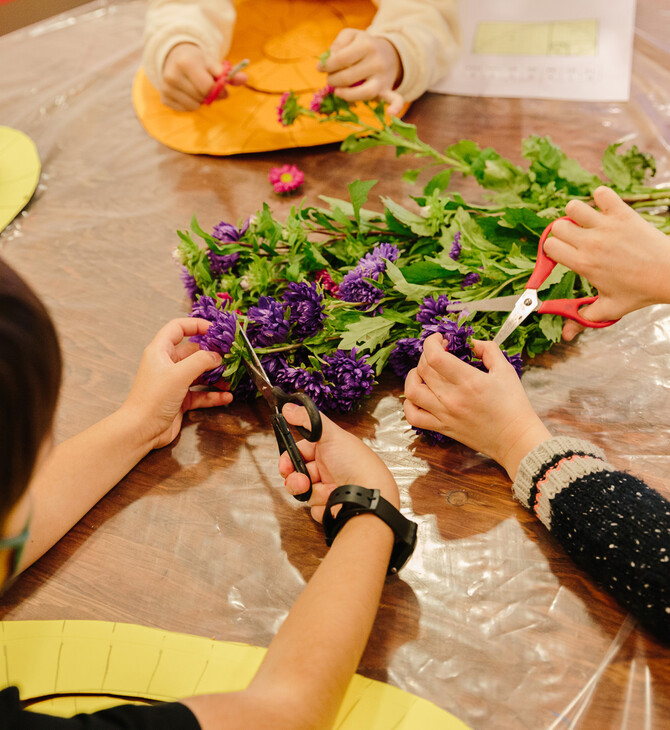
498, 304
528, 302
257, 372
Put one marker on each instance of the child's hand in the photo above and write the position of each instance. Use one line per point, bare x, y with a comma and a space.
488, 412
362, 66
625, 257
161, 392
188, 77
337, 458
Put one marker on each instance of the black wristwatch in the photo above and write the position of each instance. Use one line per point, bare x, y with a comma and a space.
356, 500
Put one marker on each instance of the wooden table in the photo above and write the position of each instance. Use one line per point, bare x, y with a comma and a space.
490, 620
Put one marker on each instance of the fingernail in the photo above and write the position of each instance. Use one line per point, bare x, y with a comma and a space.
290, 408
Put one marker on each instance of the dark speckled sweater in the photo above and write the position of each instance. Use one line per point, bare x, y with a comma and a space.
612, 524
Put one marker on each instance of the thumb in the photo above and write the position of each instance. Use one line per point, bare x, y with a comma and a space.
215, 68
193, 366
490, 353
297, 416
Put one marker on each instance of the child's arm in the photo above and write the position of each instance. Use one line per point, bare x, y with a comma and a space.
306, 671
621, 254
77, 473
612, 524
184, 42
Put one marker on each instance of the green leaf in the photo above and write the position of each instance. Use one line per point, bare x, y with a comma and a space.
615, 168
471, 232
415, 222
421, 272
358, 192
410, 176
344, 206
366, 334
415, 292
551, 326
404, 129
379, 358
438, 182
353, 143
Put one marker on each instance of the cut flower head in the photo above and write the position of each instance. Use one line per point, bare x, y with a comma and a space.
286, 179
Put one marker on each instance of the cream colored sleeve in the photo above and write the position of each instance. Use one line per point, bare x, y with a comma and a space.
206, 23
426, 36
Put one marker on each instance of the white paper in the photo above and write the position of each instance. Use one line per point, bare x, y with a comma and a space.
577, 50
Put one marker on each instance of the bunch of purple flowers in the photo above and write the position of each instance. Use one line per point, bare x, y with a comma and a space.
360, 284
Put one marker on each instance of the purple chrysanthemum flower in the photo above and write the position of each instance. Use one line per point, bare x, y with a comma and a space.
355, 289
311, 382
455, 337
245, 389
351, 378
433, 437
375, 260
306, 309
274, 366
205, 308
515, 361
188, 280
470, 279
228, 233
405, 355
222, 263
218, 338
456, 247
268, 324
432, 309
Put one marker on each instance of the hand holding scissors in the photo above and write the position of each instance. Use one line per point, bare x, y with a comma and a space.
221, 81
276, 398
521, 306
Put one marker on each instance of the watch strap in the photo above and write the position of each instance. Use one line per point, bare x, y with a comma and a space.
355, 500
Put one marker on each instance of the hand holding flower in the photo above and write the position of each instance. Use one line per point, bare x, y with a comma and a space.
337, 458
188, 77
487, 411
161, 392
361, 66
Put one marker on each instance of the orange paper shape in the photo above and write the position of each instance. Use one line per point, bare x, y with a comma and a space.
283, 40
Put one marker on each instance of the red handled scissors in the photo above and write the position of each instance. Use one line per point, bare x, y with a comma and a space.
521, 306
221, 81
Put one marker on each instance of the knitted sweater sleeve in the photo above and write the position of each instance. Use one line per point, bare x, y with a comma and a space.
612, 524
205, 23
425, 34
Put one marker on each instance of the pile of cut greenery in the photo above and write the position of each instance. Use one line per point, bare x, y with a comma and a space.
495, 253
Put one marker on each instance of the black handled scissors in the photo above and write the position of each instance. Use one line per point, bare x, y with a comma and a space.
276, 398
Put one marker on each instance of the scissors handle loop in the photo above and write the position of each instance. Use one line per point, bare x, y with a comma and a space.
544, 265
313, 433
569, 308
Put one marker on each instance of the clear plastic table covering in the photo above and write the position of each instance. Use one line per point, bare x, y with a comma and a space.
490, 619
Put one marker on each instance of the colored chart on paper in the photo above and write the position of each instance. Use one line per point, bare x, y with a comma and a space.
85, 666
557, 38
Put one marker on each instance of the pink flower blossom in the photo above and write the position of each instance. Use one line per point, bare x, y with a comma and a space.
317, 99
286, 179
326, 280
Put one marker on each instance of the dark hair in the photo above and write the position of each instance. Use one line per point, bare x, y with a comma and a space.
30, 375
